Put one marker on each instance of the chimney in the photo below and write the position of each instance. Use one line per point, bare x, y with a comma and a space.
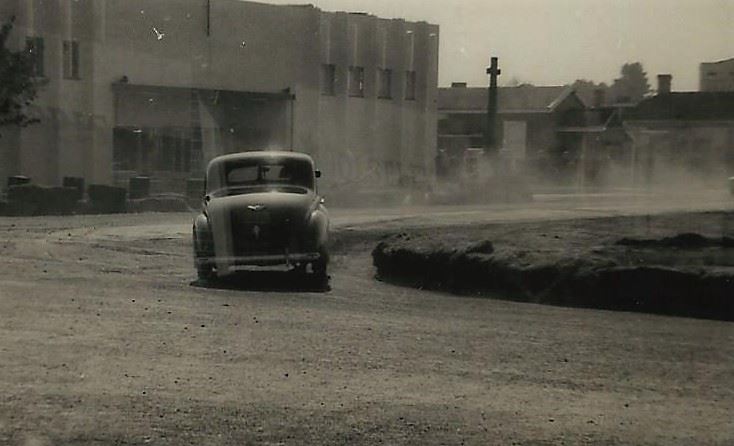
458, 84
664, 83
600, 97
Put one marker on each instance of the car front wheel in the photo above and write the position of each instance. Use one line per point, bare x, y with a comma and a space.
205, 271
203, 249
320, 266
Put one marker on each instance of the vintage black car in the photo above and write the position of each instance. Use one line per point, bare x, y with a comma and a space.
261, 209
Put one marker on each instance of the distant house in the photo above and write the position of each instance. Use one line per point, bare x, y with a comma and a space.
717, 76
529, 118
603, 148
683, 136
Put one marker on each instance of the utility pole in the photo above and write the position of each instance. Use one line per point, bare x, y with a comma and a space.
490, 132
208, 18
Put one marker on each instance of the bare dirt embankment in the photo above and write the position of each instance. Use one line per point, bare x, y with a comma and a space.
676, 264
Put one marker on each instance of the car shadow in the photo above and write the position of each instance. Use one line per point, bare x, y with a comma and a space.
266, 281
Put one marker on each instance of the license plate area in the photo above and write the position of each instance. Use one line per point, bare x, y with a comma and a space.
255, 217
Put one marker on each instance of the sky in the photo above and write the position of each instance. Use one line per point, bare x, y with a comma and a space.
554, 42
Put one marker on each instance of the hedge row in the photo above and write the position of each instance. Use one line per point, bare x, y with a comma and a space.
31, 199
580, 282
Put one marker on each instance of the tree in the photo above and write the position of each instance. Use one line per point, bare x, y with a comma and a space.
17, 84
632, 85
586, 90
515, 81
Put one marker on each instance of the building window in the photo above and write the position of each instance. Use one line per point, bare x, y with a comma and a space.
145, 150
71, 59
410, 85
328, 79
356, 81
34, 46
384, 82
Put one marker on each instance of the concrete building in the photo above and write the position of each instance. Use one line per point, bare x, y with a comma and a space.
717, 76
159, 87
529, 119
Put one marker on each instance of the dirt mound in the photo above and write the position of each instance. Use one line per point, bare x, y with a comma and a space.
594, 281
688, 240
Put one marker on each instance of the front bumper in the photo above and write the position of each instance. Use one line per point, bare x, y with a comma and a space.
234, 262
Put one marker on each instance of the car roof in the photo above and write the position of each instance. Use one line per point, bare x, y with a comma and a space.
259, 154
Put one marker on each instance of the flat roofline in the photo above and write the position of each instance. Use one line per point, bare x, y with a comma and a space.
718, 61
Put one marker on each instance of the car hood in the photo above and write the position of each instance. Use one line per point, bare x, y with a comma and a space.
278, 205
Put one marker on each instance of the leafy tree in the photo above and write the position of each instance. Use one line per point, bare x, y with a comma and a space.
586, 89
632, 85
517, 82
17, 84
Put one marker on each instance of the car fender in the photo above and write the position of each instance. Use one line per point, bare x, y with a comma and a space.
318, 223
203, 242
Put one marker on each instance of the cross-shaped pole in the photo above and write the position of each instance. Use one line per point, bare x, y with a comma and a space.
490, 130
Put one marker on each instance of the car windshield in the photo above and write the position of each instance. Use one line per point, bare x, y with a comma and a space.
261, 172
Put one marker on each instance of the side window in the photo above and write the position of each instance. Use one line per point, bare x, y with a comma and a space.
410, 85
328, 79
71, 59
384, 82
34, 46
356, 81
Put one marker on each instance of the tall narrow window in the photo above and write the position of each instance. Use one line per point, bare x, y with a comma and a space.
328, 79
71, 59
34, 46
410, 85
384, 83
356, 81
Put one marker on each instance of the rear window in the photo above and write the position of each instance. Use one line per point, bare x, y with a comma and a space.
260, 172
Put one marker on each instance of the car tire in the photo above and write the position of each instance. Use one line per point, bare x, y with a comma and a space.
205, 271
320, 267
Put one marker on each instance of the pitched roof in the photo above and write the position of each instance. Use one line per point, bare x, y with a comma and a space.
524, 98
689, 106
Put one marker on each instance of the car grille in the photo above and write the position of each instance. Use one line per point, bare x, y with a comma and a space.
259, 233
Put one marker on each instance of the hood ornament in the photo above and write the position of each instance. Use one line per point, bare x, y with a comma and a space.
256, 207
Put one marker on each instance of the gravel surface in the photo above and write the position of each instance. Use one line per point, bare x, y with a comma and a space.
105, 338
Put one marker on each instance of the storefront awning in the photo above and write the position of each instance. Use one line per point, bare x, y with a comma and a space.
138, 105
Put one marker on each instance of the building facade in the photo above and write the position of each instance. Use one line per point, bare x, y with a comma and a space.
717, 76
136, 87
682, 139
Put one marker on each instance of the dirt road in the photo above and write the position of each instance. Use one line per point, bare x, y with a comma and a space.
105, 340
